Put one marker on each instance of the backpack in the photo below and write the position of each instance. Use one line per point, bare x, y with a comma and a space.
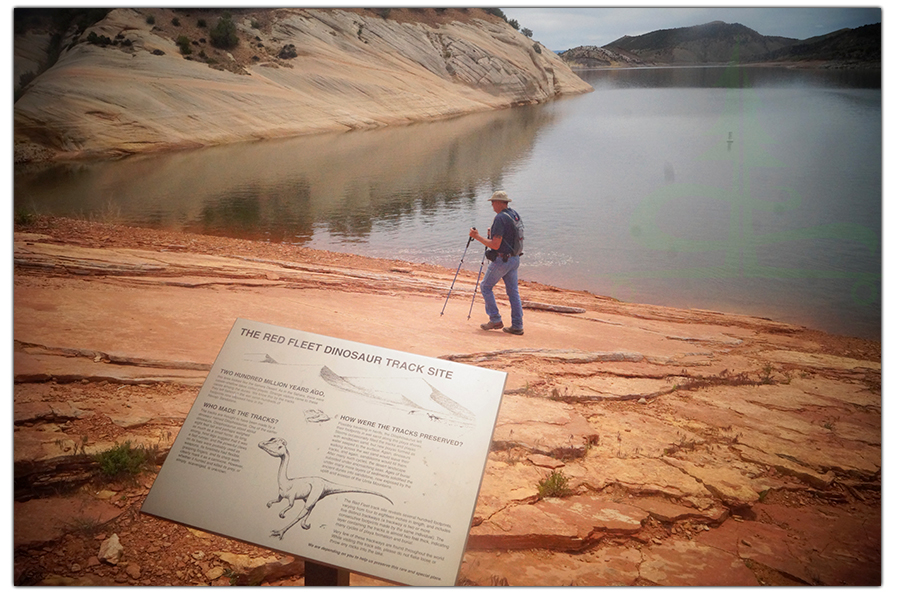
519, 241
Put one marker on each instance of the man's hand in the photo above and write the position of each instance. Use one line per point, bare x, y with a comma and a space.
489, 243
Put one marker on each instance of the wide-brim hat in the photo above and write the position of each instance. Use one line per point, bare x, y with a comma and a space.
500, 196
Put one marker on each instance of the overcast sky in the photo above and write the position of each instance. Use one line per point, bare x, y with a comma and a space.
564, 28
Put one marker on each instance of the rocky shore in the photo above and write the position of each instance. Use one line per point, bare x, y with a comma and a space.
687, 447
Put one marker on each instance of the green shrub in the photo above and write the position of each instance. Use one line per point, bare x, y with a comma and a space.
151, 20
556, 485
201, 23
123, 460
224, 34
184, 44
101, 40
24, 217
287, 52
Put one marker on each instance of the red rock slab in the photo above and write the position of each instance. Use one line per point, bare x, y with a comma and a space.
547, 427
816, 544
639, 475
667, 512
545, 461
728, 484
28, 445
840, 546
64, 369
827, 453
762, 543
826, 361
45, 520
679, 563
504, 484
25, 412
786, 467
555, 524
606, 567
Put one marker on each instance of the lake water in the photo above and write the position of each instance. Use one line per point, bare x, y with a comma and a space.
750, 190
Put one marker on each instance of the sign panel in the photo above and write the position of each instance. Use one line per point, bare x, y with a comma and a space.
346, 454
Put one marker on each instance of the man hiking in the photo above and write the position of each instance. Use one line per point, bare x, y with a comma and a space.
503, 251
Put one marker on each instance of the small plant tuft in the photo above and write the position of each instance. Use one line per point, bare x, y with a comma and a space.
766, 377
124, 460
24, 218
556, 485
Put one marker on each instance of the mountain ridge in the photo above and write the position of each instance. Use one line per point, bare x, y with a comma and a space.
718, 42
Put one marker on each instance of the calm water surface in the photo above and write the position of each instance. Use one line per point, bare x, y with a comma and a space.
748, 190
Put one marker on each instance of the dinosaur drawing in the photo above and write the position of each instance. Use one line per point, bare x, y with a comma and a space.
308, 489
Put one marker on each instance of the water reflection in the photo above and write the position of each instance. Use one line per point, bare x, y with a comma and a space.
284, 190
751, 190
748, 76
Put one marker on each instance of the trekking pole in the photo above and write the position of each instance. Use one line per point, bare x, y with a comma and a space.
457, 274
476, 285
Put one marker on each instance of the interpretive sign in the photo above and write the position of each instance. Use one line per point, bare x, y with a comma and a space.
349, 455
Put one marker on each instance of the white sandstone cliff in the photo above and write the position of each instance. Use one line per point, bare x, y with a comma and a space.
353, 69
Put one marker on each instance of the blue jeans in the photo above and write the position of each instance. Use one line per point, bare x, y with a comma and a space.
509, 272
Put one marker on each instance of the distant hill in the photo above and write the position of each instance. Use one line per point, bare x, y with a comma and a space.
848, 46
721, 43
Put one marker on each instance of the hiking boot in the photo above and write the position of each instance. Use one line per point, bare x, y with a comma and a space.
492, 325
514, 330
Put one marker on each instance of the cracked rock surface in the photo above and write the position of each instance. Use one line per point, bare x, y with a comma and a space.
684, 447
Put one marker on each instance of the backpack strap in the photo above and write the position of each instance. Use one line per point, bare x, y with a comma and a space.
512, 219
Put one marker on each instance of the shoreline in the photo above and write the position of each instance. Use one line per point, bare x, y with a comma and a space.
808, 65
122, 235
